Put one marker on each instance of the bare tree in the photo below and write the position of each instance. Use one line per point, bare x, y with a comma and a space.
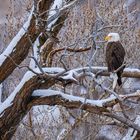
44, 23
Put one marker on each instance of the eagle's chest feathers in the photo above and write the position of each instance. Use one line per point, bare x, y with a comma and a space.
114, 55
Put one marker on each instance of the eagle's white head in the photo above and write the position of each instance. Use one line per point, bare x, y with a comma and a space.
112, 37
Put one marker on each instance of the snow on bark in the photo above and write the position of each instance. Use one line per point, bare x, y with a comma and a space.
70, 75
35, 53
53, 10
15, 40
8, 101
49, 92
27, 77
0, 94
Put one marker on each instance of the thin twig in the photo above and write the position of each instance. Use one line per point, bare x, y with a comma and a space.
20, 67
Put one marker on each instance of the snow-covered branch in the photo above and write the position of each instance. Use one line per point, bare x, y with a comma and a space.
102, 71
19, 47
71, 75
0, 94
44, 96
55, 14
52, 97
47, 18
21, 100
16, 49
11, 47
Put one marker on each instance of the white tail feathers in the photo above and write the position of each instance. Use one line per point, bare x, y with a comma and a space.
115, 78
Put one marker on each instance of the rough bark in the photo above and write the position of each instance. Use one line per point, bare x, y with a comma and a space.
20, 53
102, 71
12, 116
22, 48
23, 100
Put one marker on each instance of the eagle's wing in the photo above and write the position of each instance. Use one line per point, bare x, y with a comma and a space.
114, 55
118, 54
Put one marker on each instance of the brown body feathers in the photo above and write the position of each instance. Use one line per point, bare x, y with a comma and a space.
115, 57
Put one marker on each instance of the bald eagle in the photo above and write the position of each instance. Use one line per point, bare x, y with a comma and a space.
115, 54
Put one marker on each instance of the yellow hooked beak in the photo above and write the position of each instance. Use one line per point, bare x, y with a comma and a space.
107, 38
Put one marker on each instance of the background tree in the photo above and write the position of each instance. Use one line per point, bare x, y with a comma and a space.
62, 52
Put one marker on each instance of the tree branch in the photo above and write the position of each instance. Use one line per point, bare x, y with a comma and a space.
21, 99
51, 97
128, 72
19, 47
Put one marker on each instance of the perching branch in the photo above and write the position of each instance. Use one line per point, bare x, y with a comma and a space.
102, 71
21, 100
